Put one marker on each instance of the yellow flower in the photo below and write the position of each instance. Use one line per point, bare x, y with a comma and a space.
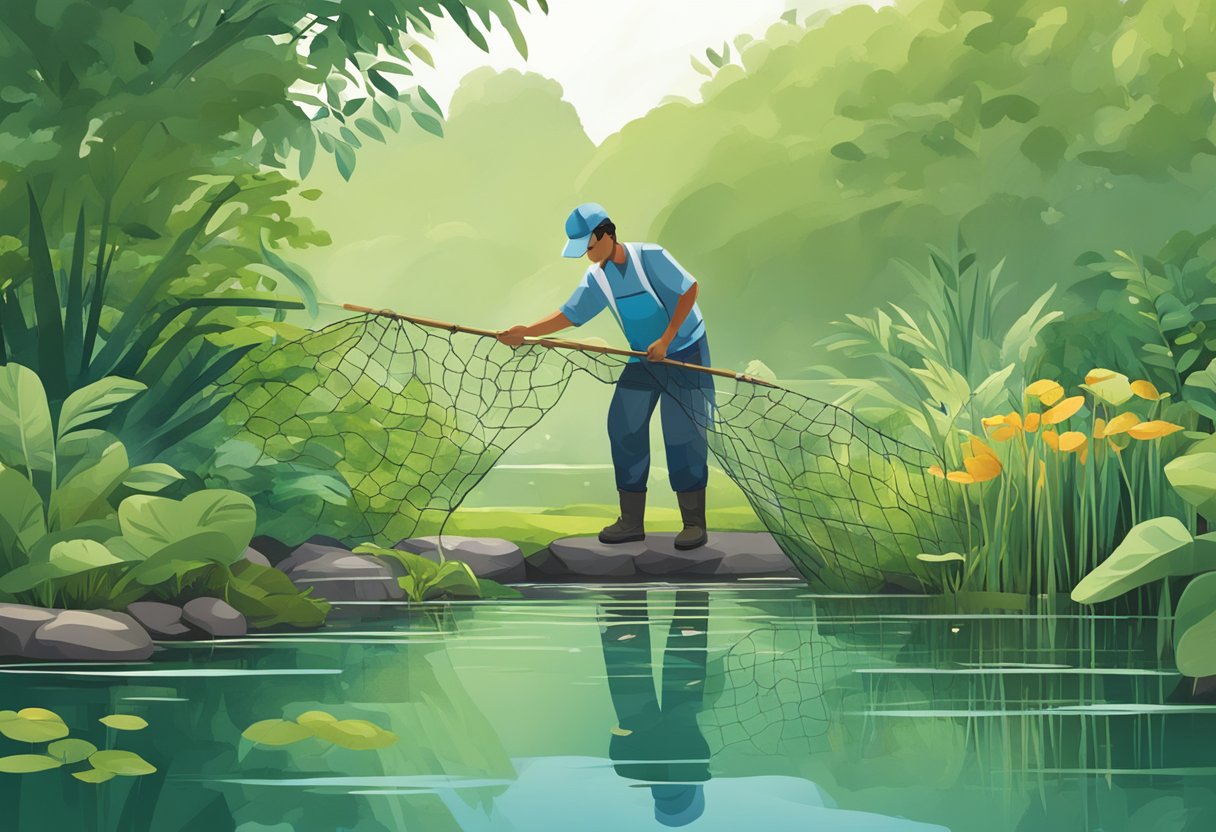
978, 448
1032, 422
1052, 439
936, 470
1153, 430
1042, 476
1003, 434
1099, 428
1121, 423
961, 477
1071, 441
1047, 391
982, 468
1147, 390
992, 421
1099, 374
1063, 410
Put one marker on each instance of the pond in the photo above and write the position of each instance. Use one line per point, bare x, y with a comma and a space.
759, 705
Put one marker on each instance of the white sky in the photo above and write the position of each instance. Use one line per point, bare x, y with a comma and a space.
615, 59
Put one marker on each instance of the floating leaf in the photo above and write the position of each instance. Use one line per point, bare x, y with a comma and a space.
620, 732
314, 717
122, 763
276, 732
34, 725
27, 763
71, 750
355, 734
93, 775
124, 722
948, 557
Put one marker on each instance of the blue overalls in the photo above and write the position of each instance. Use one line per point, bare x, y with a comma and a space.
643, 308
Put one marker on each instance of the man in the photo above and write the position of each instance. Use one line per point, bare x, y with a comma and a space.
655, 302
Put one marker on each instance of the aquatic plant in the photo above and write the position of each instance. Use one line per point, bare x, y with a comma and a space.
1072, 471
1163, 548
354, 734
39, 725
426, 580
80, 526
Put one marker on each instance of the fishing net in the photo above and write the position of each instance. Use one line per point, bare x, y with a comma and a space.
412, 418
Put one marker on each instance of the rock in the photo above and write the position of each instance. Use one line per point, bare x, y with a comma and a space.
214, 617
337, 574
254, 556
18, 623
77, 635
488, 557
727, 556
162, 621
587, 557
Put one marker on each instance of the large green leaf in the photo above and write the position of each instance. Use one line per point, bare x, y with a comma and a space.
173, 537
1193, 476
22, 523
1152, 550
267, 597
455, 580
26, 436
1195, 628
86, 494
95, 401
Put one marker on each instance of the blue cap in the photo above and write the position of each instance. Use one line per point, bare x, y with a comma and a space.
579, 225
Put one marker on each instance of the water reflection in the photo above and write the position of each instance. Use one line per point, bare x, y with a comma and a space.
659, 742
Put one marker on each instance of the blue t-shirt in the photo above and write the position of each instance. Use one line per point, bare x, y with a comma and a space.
642, 319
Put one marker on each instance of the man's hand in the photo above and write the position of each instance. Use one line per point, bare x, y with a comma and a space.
514, 336
658, 350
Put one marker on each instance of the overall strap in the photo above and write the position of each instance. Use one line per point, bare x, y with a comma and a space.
635, 251
601, 280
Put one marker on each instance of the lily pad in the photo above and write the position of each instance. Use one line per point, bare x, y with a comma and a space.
949, 556
71, 750
93, 775
33, 725
313, 717
123, 763
27, 763
276, 732
355, 734
124, 722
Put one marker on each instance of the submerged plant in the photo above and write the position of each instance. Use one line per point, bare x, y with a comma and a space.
426, 580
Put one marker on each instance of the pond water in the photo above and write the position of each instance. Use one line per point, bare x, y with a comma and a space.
755, 706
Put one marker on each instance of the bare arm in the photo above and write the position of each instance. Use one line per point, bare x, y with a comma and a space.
658, 350
556, 322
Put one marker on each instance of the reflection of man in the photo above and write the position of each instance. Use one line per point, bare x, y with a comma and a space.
655, 302
659, 741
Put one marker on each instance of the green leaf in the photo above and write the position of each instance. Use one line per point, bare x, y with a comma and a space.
86, 493
142, 53
493, 590
27, 763
1153, 550
1193, 476
66, 559
428, 123
276, 732
33, 725
152, 476
124, 722
27, 439
297, 276
946, 558
95, 401
93, 775
344, 157
1195, 628
848, 151
140, 231
71, 750
456, 580
22, 523
122, 763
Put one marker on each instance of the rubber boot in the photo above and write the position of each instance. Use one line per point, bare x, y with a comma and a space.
629, 526
692, 511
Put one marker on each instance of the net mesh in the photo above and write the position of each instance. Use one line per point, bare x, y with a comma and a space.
413, 417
